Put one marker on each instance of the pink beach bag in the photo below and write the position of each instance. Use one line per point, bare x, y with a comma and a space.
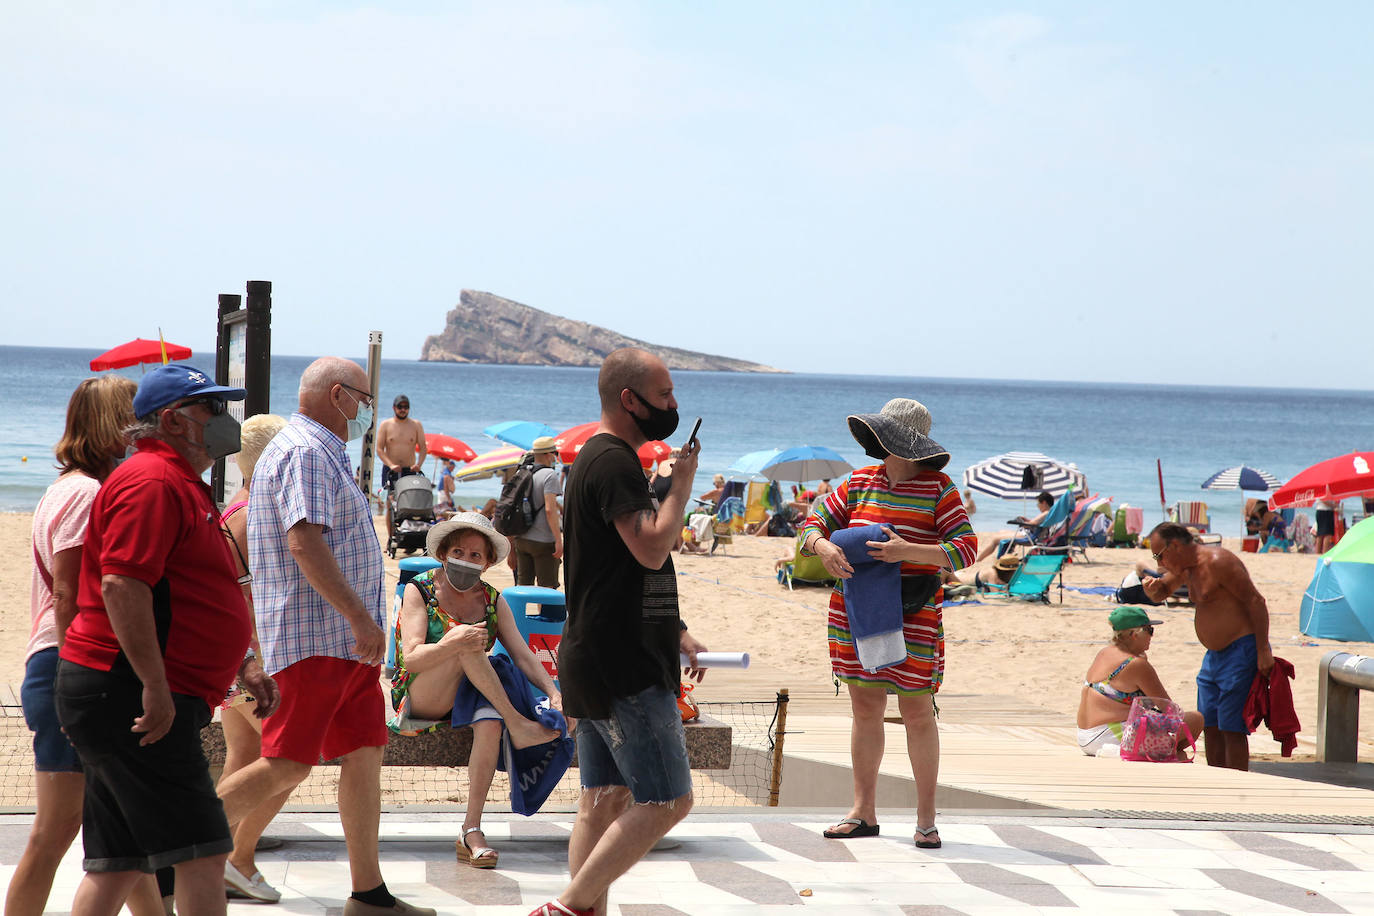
1152, 730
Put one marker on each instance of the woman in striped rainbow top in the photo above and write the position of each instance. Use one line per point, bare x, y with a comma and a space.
928, 530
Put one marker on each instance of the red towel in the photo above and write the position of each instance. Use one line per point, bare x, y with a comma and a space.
1271, 702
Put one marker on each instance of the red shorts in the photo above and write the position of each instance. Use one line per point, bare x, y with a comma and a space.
329, 707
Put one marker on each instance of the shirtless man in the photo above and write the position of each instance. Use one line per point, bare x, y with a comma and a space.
400, 443
1232, 622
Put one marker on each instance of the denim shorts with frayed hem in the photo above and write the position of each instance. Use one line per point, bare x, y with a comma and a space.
52, 752
641, 746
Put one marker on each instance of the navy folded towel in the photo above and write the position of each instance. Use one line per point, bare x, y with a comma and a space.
534, 771
872, 599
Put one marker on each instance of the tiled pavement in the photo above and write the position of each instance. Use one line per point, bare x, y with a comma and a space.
737, 861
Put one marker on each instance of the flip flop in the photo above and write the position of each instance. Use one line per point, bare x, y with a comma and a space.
481, 857
922, 839
861, 828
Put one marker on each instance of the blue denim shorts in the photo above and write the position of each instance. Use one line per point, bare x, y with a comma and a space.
52, 752
641, 746
1223, 684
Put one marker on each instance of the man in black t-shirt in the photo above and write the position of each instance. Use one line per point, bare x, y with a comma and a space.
618, 661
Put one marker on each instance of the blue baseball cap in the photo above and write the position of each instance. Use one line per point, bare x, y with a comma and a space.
175, 382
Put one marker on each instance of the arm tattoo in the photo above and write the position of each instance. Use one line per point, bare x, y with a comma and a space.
640, 518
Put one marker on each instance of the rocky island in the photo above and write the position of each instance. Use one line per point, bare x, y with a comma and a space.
486, 328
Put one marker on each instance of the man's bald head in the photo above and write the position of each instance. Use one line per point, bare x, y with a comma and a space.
328, 371
627, 367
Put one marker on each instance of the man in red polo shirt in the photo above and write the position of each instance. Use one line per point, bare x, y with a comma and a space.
160, 632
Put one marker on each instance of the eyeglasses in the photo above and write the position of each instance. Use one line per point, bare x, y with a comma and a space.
215, 405
365, 397
1163, 550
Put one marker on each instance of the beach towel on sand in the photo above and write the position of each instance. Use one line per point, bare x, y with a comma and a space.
872, 599
534, 771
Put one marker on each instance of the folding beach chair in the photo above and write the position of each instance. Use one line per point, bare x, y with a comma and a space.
1035, 575
1088, 524
1190, 514
806, 570
1051, 535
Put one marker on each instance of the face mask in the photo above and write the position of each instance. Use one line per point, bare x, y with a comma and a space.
361, 421
219, 435
461, 574
661, 423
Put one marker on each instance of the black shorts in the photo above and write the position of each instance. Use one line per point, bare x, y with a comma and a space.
145, 807
389, 476
1326, 523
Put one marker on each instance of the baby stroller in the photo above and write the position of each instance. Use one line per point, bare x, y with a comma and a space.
410, 505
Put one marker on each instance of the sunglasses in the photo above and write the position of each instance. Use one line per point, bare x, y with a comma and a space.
215, 405
1162, 552
1150, 630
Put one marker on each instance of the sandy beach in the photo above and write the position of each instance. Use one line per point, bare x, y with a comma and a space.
1035, 652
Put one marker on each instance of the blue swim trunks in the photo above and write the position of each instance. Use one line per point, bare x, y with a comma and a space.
1223, 684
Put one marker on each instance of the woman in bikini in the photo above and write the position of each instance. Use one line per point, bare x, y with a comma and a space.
450, 619
1119, 674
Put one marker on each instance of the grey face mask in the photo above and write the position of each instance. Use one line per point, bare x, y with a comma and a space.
461, 574
220, 435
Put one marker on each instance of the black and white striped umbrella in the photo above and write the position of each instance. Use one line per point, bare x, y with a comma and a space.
1021, 475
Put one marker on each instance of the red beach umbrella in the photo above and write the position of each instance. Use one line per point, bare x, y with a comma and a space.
448, 447
138, 351
570, 441
1335, 478
652, 451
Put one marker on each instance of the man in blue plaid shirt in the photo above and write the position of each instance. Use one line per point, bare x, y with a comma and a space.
318, 596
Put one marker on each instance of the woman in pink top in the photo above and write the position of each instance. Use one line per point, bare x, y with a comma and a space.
91, 445
242, 730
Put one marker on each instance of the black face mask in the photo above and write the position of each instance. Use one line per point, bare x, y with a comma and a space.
661, 423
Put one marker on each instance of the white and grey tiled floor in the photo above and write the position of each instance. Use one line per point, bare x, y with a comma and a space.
737, 861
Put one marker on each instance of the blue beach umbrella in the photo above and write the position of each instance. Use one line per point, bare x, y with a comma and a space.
751, 464
519, 432
806, 462
1339, 602
1241, 477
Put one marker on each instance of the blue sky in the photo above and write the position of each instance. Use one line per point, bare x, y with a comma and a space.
1171, 191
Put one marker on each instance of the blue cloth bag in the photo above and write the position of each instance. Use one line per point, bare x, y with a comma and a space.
872, 599
534, 771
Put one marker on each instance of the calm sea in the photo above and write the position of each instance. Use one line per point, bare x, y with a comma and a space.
1113, 431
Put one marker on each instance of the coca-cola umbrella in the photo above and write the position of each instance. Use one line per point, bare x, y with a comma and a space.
442, 446
138, 351
1335, 478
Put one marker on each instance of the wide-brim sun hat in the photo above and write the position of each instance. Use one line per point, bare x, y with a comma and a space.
468, 521
901, 428
1007, 563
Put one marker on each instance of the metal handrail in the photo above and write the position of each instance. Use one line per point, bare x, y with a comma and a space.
1340, 678
1351, 670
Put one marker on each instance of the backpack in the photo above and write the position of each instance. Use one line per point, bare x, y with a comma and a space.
515, 510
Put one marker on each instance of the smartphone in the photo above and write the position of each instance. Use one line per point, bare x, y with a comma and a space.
693, 437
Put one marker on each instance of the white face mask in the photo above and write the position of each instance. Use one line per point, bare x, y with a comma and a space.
361, 421
461, 574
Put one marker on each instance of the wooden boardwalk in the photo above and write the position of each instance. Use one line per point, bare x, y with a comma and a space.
1037, 764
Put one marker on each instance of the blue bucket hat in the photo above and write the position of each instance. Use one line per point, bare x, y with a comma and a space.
176, 382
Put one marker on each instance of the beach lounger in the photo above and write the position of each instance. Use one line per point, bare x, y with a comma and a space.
1088, 524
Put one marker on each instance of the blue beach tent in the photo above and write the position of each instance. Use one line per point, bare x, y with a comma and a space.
1339, 602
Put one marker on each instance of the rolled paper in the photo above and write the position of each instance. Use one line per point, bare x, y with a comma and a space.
718, 659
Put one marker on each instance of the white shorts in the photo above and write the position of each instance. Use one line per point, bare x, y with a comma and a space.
1090, 740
